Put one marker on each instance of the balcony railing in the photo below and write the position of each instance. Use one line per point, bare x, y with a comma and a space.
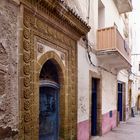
110, 39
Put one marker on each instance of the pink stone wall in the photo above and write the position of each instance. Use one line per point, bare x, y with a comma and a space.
83, 130
109, 122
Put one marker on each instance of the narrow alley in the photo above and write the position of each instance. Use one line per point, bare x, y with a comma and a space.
69, 69
129, 130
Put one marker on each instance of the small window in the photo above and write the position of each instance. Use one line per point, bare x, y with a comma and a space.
101, 14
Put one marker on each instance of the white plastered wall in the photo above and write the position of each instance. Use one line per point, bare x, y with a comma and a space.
109, 92
123, 77
109, 81
83, 83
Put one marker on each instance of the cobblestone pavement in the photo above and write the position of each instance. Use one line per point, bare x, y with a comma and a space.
129, 130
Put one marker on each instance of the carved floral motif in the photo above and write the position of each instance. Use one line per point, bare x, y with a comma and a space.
27, 116
27, 21
26, 104
26, 33
26, 57
26, 69
40, 48
26, 81
27, 93
26, 45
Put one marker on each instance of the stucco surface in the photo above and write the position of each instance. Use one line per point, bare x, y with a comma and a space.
8, 70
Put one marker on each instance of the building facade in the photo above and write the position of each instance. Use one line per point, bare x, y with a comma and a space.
135, 59
64, 68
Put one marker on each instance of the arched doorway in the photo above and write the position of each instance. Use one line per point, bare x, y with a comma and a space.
49, 102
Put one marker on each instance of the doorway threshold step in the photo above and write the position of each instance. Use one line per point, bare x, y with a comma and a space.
95, 137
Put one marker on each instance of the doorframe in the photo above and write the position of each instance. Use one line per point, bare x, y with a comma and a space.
130, 96
62, 80
99, 101
123, 102
138, 102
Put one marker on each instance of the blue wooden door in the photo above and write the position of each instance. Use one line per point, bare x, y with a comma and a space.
94, 108
120, 102
49, 116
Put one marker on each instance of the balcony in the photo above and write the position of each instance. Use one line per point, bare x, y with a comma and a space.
123, 6
112, 49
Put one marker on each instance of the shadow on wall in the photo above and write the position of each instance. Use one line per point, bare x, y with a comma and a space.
7, 133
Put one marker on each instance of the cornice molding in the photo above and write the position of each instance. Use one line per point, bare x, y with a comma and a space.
62, 12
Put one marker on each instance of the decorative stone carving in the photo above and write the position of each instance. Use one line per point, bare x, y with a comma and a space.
27, 128
42, 26
59, 41
26, 69
50, 31
26, 81
27, 93
40, 48
27, 20
26, 57
27, 104
26, 45
26, 33
27, 116
3, 55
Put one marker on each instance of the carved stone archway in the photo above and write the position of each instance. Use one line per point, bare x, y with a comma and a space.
52, 56
56, 27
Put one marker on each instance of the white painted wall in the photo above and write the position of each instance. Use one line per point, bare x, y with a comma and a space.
135, 22
101, 18
112, 16
109, 92
109, 81
83, 83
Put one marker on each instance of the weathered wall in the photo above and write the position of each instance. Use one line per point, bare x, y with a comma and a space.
84, 64
8, 70
109, 81
123, 77
109, 92
84, 94
135, 59
113, 16
109, 101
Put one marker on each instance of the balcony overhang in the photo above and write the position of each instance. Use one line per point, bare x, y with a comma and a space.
123, 6
112, 49
113, 59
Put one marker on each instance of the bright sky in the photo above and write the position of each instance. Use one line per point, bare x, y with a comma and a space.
136, 25
135, 21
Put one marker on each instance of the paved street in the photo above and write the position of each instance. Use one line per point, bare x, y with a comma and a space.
129, 130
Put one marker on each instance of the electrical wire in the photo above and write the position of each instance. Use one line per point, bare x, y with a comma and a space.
88, 48
100, 67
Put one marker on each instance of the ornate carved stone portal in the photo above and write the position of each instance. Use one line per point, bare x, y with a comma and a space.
54, 24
